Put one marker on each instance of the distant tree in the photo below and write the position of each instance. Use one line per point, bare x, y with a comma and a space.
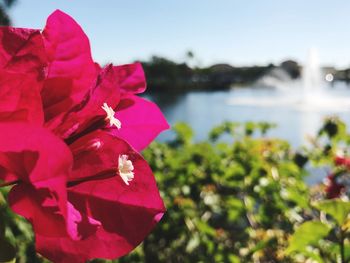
164, 74
4, 6
292, 68
189, 54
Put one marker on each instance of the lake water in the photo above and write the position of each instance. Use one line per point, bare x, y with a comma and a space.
296, 117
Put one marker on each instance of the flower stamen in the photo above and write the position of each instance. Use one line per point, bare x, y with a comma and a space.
94, 144
113, 121
126, 168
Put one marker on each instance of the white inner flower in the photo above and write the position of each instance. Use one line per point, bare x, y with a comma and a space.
113, 121
125, 169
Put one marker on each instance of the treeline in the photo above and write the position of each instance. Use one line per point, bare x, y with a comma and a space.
5, 5
164, 75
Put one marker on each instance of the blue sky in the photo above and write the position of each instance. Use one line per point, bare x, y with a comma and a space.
238, 32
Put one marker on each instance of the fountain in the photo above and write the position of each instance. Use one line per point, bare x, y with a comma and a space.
312, 81
317, 96
310, 93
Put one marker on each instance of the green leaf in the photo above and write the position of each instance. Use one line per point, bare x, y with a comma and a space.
235, 208
292, 194
308, 234
183, 132
314, 256
336, 208
204, 228
233, 259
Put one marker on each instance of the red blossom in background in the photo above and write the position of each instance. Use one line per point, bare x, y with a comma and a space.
333, 188
342, 161
105, 201
339, 183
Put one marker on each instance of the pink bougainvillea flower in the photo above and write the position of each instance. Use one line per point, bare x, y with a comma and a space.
22, 51
58, 63
78, 94
113, 202
131, 78
22, 65
71, 70
90, 113
139, 116
41, 163
20, 97
109, 201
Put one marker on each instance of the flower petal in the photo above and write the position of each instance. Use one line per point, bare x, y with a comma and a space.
126, 214
22, 63
141, 121
22, 50
41, 162
131, 78
70, 61
20, 97
80, 117
43, 206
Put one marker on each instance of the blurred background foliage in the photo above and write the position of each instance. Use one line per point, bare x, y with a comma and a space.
243, 201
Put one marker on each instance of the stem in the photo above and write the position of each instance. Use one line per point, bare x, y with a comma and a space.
100, 176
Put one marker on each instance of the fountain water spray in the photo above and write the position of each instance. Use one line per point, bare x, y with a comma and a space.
310, 93
312, 81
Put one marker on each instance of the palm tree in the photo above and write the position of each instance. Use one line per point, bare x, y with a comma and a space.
4, 6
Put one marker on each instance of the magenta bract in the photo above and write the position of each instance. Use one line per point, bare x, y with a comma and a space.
70, 135
42, 163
